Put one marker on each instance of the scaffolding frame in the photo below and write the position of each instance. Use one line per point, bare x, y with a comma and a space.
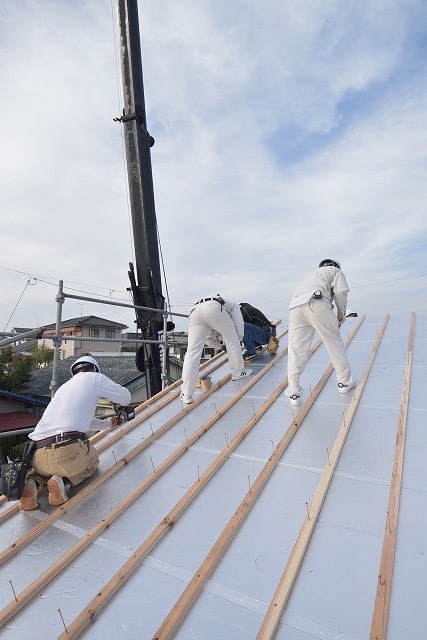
57, 338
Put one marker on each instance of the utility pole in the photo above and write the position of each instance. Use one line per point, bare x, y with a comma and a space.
145, 283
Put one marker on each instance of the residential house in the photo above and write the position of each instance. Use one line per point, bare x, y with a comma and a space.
106, 336
19, 414
23, 346
178, 343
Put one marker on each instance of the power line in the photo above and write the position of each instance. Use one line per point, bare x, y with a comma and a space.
372, 284
19, 300
54, 281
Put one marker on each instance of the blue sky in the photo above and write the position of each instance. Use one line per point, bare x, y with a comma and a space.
285, 133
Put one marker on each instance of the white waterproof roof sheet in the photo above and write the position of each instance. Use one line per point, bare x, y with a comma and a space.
239, 517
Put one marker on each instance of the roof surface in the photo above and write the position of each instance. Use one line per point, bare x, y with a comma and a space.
121, 368
239, 517
88, 321
25, 399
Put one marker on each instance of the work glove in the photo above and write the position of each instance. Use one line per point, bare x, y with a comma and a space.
341, 318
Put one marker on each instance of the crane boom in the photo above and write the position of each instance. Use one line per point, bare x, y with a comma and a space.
145, 279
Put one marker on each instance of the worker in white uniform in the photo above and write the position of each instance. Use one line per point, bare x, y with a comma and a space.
61, 450
225, 318
311, 310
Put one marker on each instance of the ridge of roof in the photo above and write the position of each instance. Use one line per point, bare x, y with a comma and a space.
87, 320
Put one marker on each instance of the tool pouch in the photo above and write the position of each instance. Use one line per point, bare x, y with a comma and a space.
13, 474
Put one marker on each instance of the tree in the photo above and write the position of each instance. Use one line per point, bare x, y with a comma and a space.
41, 355
14, 370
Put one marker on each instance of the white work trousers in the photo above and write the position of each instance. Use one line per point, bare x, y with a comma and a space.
206, 316
316, 315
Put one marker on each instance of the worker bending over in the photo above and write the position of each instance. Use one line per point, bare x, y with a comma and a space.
310, 310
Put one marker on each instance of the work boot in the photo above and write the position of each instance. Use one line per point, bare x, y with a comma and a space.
56, 490
345, 388
249, 356
186, 399
295, 399
28, 499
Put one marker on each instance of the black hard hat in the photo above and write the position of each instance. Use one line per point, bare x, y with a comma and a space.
328, 262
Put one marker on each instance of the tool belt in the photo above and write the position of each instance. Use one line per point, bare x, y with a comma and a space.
60, 440
13, 474
219, 299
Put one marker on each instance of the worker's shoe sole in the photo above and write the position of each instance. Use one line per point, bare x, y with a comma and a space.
56, 490
249, 356
28, 499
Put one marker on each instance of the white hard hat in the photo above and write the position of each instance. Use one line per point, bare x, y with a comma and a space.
84, 361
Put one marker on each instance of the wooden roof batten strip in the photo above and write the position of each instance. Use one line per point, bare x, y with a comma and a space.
152, 405
385, 576
30, 591
118, 432
275, 610
81, 622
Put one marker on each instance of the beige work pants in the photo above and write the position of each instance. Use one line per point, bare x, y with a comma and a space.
304, 321
76, 461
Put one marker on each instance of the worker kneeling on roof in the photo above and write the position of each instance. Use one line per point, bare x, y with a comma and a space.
61, 451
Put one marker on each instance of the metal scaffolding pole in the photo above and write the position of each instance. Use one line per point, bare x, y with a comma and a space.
57, 339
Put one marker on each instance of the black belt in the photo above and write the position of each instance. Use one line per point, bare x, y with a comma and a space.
59, 440
207, 300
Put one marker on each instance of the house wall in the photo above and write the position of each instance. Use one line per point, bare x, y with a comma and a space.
75, 348
11, 405
8, 406
139, 395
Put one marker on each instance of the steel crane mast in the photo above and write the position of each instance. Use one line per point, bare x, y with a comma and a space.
145, 278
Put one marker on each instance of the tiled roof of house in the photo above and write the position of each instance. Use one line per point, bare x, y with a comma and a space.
121, 369
88, 321
22, 398
82, 321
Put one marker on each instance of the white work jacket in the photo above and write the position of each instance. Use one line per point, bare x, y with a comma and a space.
330, 281
73, 406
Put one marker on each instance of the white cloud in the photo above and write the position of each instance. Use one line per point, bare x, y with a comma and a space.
285, 132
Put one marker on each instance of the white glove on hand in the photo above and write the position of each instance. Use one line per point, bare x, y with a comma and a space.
214, 339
